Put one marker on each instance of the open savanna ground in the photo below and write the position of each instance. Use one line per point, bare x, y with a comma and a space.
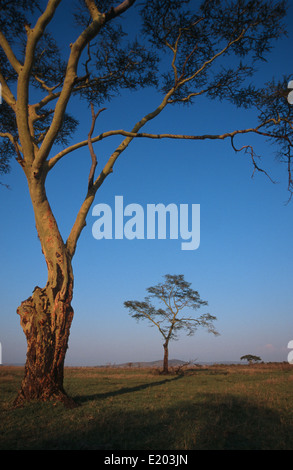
204, 408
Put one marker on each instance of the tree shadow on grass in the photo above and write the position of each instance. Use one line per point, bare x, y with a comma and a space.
214, 422
80, 399
226, 423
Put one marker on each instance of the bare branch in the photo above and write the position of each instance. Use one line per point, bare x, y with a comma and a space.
249, 149
34, 36
70, 76
93, 155
46, 87
133, 135
210, 61
124, 144
7, 93
116, 11
15, 144
8, 136
9, 53
80, 220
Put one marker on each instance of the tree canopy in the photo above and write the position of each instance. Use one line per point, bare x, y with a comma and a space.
250, 358
183, 49
174, 295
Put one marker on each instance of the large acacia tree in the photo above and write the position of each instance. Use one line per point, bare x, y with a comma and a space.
185, 49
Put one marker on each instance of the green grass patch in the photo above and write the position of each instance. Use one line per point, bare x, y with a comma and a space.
219, 407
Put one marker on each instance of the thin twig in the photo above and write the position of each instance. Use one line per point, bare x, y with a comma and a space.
90, 144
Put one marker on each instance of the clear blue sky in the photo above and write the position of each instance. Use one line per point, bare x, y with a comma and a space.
243, 266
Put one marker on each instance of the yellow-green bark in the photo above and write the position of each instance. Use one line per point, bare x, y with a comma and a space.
47, 314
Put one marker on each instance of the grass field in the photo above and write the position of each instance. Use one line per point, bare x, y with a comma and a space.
208, 408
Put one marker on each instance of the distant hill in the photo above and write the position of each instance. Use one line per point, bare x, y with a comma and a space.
172, 363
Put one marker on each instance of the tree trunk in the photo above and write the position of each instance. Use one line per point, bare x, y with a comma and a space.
166, 359
46, 322
46, 316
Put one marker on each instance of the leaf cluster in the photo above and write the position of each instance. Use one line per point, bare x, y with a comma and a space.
114, 65
185, 48
110, 64
113, 62
197, 37
14, 15
7, 149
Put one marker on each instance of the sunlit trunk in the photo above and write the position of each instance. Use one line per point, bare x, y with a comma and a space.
166, 359
46, 322
47, 314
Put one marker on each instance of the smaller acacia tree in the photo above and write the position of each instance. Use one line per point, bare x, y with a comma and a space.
175, 294
250, 358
